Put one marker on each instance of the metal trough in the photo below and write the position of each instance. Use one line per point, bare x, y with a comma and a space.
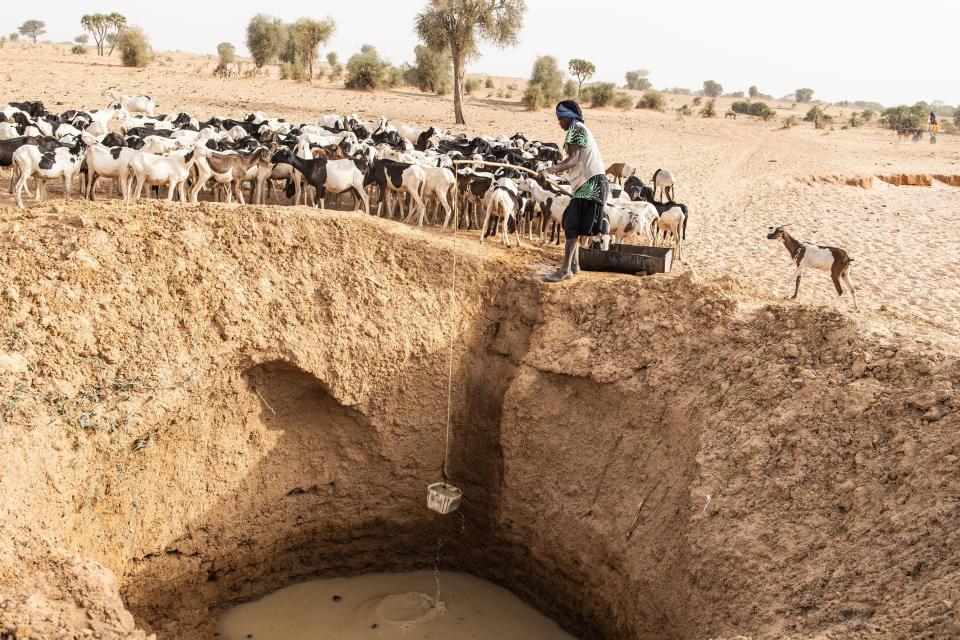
628, 258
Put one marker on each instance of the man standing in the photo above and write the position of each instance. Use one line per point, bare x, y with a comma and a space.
585, 169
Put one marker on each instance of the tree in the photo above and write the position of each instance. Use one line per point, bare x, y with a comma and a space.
637, 80
134, 47
227, 53
336, 69
582, 70
119, 23
306, 35
366, 70
712, 89
33, 29
432, 70
803, 95
460, 25
96, 24
753, 92
83, 38
265, 38
956, 117
546, 75
14, 36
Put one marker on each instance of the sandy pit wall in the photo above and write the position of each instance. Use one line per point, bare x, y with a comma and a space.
213, 405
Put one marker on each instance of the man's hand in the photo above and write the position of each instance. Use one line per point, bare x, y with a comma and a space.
545, 172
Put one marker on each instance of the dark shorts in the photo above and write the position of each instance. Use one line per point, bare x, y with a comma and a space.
582, 218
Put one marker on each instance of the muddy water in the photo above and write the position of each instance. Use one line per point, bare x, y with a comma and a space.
391, 605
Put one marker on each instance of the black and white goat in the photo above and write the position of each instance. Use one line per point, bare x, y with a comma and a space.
808, 254
33, 162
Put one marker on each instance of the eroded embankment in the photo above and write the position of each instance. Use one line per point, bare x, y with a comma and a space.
214, 402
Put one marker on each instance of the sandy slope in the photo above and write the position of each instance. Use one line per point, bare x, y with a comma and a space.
738, 177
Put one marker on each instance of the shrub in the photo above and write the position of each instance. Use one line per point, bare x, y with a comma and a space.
789, 121
512, 87
83, 38
569, 90
818, 117
803, 95
336, 69
226, 52
697, 101
759, 109
742, 106
904, 117
134, 47
653, 100
266, 36
3, 41
431, 72
868, 115
471, 86
684, 110
14, 36
602, 94
533, 97
78, 50
956, 118
709, 110
637, 80
679, 91
293, 71
546, 74
736, 94
712, 89
856, 120
366, 70
753, 92
489, 83
622, 101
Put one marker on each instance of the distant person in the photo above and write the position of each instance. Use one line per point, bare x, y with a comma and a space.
933, 119
585, 169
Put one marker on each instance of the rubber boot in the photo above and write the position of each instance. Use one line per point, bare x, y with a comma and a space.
575, 267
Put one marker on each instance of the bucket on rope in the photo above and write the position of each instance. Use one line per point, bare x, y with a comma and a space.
443, 498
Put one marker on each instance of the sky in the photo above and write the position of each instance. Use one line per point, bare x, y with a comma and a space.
844, 50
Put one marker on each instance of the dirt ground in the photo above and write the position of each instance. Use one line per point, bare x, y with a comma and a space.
204, 403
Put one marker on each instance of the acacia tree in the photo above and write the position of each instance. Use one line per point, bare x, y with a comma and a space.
637, 80
803, 95
712, 89
33, 29
459, 25
582, 70
119, 23
265, 38
753, 91
307, 35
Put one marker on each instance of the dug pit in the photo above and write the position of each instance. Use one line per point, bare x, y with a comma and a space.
214, 406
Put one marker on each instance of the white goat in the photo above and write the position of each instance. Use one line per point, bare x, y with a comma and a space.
30, 162
672, 221
504, 202
132, 104
172, 170
551, 205
806, 254
663, 180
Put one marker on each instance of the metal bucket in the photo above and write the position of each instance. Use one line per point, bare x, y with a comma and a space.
628, 258
443, 498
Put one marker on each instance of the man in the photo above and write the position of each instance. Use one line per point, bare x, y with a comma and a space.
585, 169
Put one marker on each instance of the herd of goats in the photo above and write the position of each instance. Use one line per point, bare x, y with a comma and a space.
400, 165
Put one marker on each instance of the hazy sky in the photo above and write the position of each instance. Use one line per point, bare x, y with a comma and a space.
843, 49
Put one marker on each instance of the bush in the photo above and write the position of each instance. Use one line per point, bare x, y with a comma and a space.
868, 115
471, 86
759, 109
684, 110
431, 72
569, 90
753, 92
818, 117
654, 100
622, 101
602, 94
14, 36
736, 94
83, 38
697, 101
856, 120
366, 70
78, 50
679, 91
740, 107
533, 97
134, 47
803, 95
956, 118
546, 75
293, 71
789, 121
709, 110
3, 41
227, 53
489, 83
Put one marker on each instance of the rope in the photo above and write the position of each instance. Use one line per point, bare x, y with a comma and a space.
453, 298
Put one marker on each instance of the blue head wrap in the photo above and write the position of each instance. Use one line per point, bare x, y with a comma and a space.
569, 109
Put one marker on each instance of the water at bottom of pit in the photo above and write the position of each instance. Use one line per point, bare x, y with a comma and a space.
390, 605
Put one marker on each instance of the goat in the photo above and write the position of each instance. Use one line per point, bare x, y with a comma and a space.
172, 170
503, 202
807, 254
107, 162
438, 183
229, 170
663, 180
131, 104
551, 205
672, 221
335, 176
636, 190
399, 177
32, 162
621, 171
